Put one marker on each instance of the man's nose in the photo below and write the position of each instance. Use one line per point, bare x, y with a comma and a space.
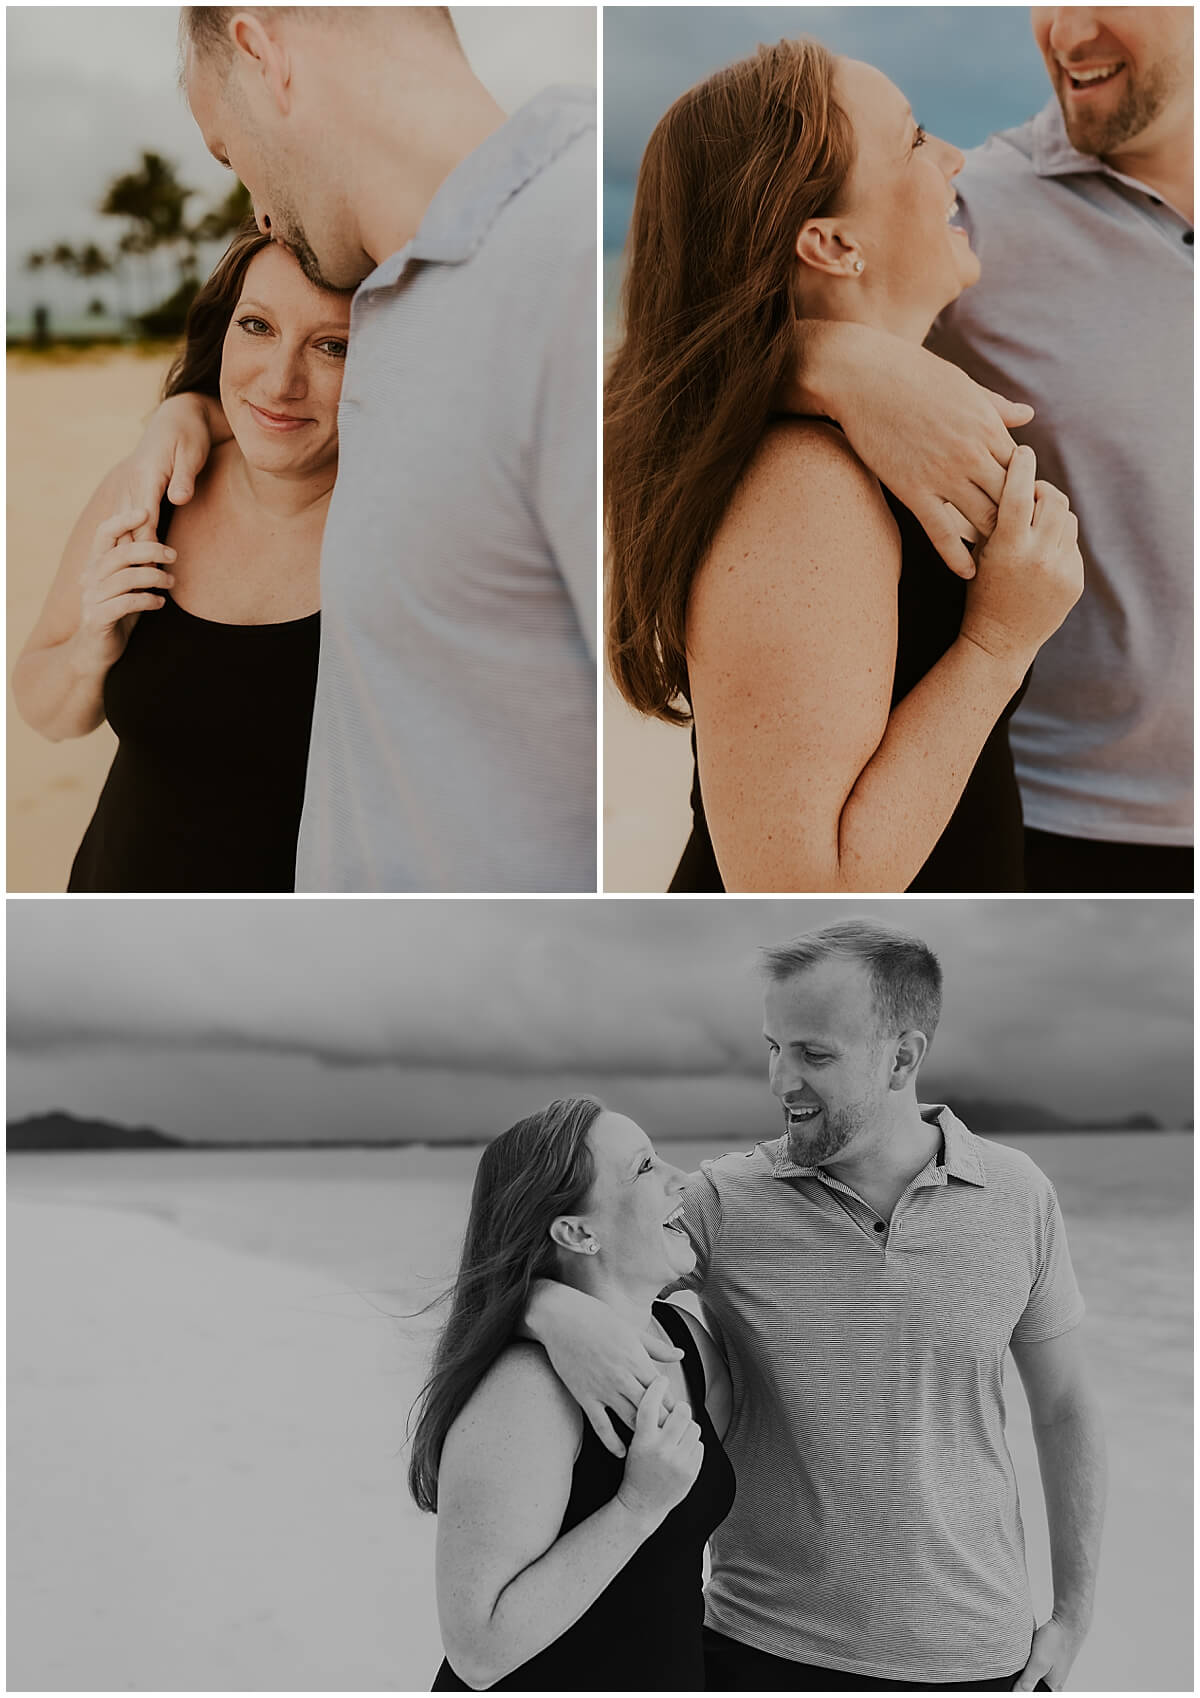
1073, 27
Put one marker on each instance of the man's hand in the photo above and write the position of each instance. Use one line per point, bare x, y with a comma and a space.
169, 458
937, 440
604, 1361
1055, 1648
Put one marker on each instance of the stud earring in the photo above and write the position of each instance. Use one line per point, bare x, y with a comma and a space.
858, 265
592, 1247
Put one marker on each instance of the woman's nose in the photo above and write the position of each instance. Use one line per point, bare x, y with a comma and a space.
288, 375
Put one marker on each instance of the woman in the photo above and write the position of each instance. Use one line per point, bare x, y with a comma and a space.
848, 694
201, 651
560, 1566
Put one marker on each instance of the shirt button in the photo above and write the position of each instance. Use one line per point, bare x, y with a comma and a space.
1189, 237
879, 1226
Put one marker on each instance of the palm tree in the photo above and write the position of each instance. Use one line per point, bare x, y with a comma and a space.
153, 202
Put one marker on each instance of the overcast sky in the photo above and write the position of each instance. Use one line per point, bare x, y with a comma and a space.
406, 1019
967, 70
91, 87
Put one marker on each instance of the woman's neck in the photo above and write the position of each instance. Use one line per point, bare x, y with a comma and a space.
633, 1303
291, 497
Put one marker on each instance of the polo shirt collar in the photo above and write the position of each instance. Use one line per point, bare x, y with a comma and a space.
1055, 155
467, 202
961, 1157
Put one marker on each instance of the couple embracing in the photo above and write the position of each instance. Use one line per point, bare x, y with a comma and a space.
821, 304
834, 1432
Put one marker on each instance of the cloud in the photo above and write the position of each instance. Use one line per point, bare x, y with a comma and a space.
1083, 1005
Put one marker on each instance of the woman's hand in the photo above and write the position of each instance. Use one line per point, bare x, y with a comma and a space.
602, 1359
935, 438
663, 1460
120, 581
1030, 572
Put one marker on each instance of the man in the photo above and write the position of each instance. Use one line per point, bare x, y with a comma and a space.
1082, 220
867, 1273
453, 744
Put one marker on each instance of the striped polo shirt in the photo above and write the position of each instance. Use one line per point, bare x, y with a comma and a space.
876, 1528
454, 731
1084, 309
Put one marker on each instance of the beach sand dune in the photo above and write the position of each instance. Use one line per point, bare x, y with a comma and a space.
70, 420
210, 1367
207, 1491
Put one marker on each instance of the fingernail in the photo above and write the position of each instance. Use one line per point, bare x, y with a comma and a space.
170, 554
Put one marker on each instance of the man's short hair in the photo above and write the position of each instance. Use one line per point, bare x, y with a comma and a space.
906, 976
206, 28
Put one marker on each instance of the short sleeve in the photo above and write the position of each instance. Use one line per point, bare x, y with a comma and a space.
1055, 1304
564, 472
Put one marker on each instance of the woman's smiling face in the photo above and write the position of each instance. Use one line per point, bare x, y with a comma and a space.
898, 206
281, 367
633, 1195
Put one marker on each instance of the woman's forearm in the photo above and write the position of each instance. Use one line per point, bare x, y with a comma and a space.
540, 1603
902, 800
58, 693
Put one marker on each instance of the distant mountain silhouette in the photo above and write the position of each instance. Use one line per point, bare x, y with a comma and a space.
59, 1131
994, 1114
65, 1132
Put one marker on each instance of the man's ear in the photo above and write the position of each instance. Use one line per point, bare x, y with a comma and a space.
259, 51
906, 1059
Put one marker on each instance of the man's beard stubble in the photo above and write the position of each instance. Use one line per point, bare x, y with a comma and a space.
1138, 107
836, 1130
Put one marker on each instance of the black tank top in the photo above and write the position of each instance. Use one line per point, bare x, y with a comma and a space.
207, 784
982, 845
644, 1631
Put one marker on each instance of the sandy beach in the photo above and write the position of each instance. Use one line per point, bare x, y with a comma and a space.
71, 418
208, 1388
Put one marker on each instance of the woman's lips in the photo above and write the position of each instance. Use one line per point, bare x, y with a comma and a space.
276, 421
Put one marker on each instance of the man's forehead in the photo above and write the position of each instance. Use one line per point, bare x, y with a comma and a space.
830, 991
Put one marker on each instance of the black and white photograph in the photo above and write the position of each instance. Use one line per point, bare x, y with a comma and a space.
600, 1294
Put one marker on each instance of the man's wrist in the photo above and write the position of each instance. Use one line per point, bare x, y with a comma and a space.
535, 1308
1074, 1617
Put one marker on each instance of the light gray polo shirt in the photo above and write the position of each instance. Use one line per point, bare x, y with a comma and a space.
876, 1527
1084, 309
454, 734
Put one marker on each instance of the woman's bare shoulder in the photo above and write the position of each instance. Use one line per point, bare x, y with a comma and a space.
803, 465
520, 1392
806, 509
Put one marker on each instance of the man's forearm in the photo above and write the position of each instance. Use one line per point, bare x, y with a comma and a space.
1074, 1470
821, 344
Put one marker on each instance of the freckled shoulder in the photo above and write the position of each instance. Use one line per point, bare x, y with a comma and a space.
806, 514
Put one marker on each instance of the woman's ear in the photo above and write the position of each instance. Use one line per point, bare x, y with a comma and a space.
569, 1232
823, 247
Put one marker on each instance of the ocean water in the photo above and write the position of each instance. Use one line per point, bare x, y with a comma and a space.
350, 1245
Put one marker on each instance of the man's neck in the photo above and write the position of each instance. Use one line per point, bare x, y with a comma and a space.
1163, 164
408, 133
889, 1163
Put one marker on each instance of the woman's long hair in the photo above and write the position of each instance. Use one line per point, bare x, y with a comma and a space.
539, 1169
710, 304
197, 370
